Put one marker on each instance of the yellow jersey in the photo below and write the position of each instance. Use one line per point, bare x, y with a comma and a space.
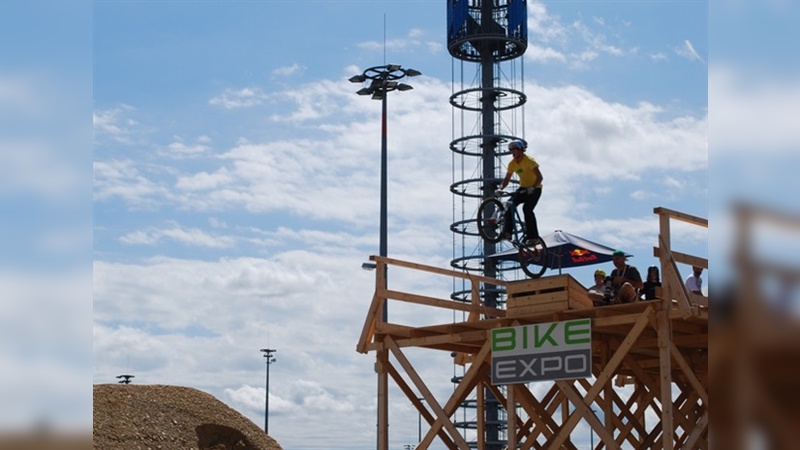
525, 171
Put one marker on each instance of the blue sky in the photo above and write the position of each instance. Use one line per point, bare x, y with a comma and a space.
236, 181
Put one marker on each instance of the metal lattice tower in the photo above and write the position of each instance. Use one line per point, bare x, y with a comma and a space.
486, 39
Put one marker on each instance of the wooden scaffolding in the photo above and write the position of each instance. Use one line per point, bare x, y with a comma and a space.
649, 360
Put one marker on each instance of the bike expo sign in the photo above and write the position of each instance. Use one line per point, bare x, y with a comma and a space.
542, 352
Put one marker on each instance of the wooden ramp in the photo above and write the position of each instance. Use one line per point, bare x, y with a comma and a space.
649, 361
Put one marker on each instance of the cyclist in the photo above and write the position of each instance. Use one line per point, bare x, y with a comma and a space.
528, 193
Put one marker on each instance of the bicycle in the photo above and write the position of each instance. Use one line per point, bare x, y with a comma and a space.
492, 219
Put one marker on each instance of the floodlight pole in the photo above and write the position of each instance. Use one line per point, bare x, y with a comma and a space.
383, 79
269, 359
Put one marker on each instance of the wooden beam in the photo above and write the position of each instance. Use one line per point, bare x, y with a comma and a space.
447, 272
665, 212
542, 420
445, 304
475, 337
442, 417
665, 377
383, 399
511, 418
468, 382
697, 432
584, 408
368, 330
412, 397
687, 371
683, 258
607, 373
677, 289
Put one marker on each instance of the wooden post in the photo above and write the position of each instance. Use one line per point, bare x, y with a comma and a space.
663, 256
511, 410
665, 361
383, 398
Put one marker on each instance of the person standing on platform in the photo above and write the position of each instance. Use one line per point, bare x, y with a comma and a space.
693, 283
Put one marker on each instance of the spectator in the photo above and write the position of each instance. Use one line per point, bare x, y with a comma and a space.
693, 283
625, 279
653, 280
598, 292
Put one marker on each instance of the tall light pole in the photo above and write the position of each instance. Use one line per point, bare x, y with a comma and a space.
383, 79
591, 432
268, 355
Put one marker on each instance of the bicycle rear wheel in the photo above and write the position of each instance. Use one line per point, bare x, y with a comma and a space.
533, 260
490, 220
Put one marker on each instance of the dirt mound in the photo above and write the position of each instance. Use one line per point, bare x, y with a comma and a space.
128, 417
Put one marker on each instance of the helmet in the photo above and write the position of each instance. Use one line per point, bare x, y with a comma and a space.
517, 144
600, 272
651, 268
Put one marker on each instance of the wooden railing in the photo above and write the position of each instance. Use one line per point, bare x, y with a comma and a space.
383, 294
672, 286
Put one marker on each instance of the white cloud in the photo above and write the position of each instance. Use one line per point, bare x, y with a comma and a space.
241, 98
575, 44
543, 26
178, 149
203, 181
286, 71
543, 54
114, 123
414, 40
575, 132
688, 52
416, 33
123, 179
659, 56
192, 237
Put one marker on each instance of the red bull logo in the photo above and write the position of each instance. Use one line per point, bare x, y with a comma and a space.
580, 255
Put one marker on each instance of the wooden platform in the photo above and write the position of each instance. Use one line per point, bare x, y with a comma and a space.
658, 349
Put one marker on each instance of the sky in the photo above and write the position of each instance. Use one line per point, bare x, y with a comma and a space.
225, 192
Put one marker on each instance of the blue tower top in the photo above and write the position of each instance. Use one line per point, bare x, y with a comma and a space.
487, 28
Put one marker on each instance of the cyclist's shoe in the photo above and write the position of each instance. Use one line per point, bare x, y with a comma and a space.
530, 242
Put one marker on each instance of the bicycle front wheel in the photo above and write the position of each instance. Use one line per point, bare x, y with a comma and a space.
491, 215
533, 259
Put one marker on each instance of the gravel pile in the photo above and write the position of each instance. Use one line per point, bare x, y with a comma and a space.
153, 417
